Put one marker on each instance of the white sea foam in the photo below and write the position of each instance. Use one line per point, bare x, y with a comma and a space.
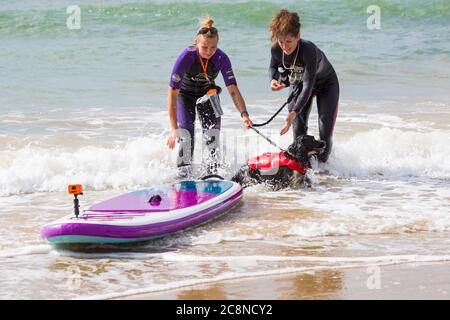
384, 121
25, 251
137, 163
213, 237
390, 153
376, 154
170, 256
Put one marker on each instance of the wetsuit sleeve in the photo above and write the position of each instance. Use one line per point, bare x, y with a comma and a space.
182, 65
274, 64
309, 78
227, 71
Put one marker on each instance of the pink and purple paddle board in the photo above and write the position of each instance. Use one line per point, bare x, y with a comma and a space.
146, 214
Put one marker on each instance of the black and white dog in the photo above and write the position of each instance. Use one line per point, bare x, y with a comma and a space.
285, 169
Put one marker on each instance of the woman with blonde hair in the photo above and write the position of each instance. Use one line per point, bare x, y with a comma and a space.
192, 90
300, 64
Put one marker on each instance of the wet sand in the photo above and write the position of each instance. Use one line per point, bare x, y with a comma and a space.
399, 282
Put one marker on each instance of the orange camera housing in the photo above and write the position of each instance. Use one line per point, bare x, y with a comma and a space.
75, 189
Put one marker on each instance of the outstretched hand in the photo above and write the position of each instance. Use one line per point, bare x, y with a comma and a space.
290, 118
173, 138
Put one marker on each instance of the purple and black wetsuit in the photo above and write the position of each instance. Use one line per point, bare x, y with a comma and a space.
315, 77
188, 76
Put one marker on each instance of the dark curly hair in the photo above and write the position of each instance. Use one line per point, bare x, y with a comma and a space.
284, 23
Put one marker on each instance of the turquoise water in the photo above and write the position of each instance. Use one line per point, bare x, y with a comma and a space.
124, 51
88, 106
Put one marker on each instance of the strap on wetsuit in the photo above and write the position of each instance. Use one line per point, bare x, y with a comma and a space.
204, 66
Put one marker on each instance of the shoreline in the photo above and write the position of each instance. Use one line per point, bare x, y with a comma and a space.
392, 282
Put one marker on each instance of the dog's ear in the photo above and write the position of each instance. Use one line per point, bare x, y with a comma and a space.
294, 148
308, 141
299, 140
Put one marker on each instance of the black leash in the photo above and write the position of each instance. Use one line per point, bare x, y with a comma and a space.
291, 96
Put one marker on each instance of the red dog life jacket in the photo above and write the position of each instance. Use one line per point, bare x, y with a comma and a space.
272, 160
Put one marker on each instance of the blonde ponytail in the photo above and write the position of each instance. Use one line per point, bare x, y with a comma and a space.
207, 29
207, 22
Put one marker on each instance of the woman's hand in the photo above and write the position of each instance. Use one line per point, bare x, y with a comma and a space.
276, 86
247, 122
173, 138
240, 104
290, 118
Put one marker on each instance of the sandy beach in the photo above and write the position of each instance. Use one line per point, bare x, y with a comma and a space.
397, 282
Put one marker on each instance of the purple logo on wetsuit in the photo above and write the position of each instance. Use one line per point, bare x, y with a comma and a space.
176, 77
230, 74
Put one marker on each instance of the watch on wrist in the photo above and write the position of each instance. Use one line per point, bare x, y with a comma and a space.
244, 112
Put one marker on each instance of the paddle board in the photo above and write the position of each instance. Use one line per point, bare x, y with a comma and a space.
146, 214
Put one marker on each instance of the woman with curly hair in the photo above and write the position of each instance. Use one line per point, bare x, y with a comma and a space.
300, 64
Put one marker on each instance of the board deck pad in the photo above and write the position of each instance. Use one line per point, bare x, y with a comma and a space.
182, 195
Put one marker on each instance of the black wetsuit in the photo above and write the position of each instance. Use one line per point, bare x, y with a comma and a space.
314, 76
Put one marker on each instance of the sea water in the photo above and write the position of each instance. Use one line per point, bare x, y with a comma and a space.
89, 106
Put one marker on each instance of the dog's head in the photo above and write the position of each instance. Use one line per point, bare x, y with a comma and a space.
304, 147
